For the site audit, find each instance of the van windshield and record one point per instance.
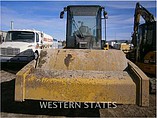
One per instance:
(20, 36)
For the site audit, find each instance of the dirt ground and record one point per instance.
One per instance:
(10, 108)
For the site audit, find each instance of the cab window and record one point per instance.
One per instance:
(37, 37)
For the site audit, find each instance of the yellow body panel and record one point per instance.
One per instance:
(83, 76)
(84, 88)
(79, 59)
(125, 47)
(147, 68)
(149, 65)
(106, 47)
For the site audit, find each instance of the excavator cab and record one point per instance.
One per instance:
(83, 26)
(146, 40)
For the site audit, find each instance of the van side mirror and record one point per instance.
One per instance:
(105, 14)
(42, 35)
(62, 14)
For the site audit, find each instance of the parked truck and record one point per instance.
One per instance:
(24, 45)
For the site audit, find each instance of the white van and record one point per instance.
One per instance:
(24, 45)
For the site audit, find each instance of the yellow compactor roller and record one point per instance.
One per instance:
(83, 72)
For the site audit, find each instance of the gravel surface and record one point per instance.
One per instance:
(10, 108)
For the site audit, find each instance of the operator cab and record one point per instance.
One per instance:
(83, 26)
(146, 39)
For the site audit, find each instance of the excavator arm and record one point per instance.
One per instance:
(146, 15)
(144, 40)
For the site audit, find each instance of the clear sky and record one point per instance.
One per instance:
(44, 16)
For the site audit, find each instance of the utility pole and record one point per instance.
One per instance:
(105, 17)
(12, 25)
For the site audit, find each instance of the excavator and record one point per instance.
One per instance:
(144, 41)
(83, 71)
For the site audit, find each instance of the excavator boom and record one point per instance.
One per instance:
(146, 15)
(144, 40)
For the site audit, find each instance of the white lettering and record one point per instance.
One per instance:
(50, 105)
(109, 106)
(71, 105)
(86, 105)
(104, 105)
(114, 104)
(65, 104)
(55, 104)
(77, 105)
(43, 104)
(97, 105)
(60, 104)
